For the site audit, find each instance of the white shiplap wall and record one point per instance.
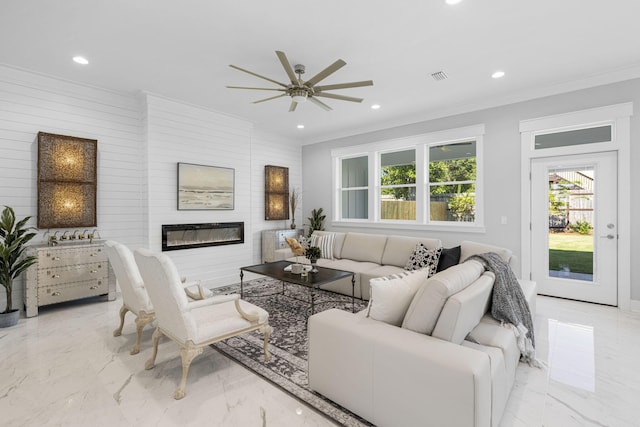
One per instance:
(140, 140)
(30, 103)
(177, 132)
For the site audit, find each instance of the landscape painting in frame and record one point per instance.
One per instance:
(203, 187)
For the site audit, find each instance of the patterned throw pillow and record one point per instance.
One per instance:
(325, 243)
(423, 258)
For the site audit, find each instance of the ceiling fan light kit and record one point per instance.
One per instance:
(300, 90)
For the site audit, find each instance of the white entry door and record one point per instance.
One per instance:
(574, 233)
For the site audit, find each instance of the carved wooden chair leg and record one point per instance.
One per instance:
(142, 320)
(266, 330)
(118, 331)
(152, 360)
(188, 353)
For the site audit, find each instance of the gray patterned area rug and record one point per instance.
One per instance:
(288, 344)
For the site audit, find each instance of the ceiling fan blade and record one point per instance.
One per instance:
(319, 103)
(326, 72)
(340, 97)
(293, 106)
(257, 75)
(255, 88)
(269, 99)
(287, 67)
(344, 85)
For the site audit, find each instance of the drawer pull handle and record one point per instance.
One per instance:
(56, 258)
(55, 294)
(93, 255)
(94, 271)
(93, 287)
(56, 276)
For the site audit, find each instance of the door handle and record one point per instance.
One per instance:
(608, 236)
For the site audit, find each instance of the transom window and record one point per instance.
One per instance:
(431, 179)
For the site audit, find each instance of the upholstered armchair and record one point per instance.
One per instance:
(194, 324)
(134, 295)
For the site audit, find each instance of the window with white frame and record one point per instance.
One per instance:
(452, 182)
(398, 185)
(354, 189)
(426, 180)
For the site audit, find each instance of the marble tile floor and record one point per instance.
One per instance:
(64, 368)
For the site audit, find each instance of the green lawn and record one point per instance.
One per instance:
(571, 250)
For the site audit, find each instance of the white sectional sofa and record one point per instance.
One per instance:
(448, 364)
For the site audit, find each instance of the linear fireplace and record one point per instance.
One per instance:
(189, 236)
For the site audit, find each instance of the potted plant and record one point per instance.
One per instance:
(316, 221)
(13, 240)
(313, 253)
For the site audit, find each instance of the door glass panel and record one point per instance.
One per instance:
(571, 242)
(573, 137)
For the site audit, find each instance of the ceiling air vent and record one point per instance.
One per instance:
(439, 75)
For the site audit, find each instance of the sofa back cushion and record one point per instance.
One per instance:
(391, 295)
(427, 304)
(399, 248)
(364, 247)
(468, 248)
(462, 311)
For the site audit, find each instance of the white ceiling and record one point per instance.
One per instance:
(182, 49)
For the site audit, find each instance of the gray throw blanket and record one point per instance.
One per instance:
(509, 304)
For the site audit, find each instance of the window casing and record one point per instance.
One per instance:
(426, 181)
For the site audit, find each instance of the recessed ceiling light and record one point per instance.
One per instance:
(452, 1)
(497, 74)
(80, 60)
(300, 126)
(375, 107)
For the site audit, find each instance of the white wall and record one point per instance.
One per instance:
(177, 132)
(30, 103)
(502, 167)
(141, 137)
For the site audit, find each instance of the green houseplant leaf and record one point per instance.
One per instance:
(14, 237)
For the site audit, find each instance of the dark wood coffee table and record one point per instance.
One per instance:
(313, 281)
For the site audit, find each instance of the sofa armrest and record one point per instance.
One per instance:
(395, 377)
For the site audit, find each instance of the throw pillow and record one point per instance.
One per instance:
(391, 295)
(325, 243)
(424, 258)
(296, 248)
(448, 258)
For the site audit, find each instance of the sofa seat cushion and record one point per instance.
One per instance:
(364, 247)
(463, 310)
(344, 286)
(426, 306)
(391, 295)
(489, 332)
(399, 248)
(500, 387)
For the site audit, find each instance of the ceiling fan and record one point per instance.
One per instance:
(300, 90)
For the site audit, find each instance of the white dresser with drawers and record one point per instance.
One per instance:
(273, 243)
(68, 271)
